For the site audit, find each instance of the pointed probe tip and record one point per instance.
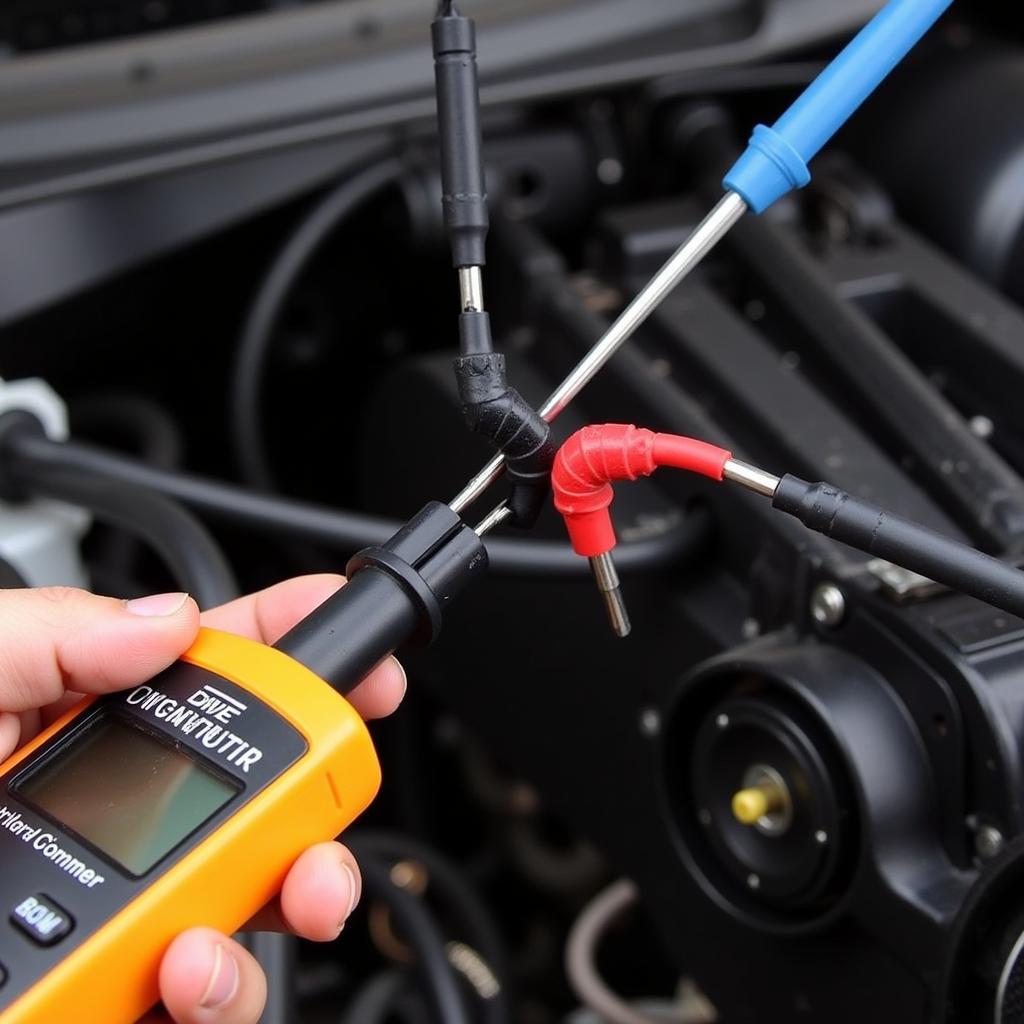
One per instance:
(618, 616)
(621, 626)
(611, 593)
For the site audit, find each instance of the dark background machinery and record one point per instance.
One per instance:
(869, 332)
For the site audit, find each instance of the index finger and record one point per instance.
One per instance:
(267, 615)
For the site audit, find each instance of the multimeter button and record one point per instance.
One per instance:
(3, 975)
(42, 920)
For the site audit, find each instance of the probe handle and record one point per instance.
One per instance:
(458, 112)
(776, 160)
(396, 593)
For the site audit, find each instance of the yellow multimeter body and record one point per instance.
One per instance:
(237, 745)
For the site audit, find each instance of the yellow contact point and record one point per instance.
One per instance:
(750, 805)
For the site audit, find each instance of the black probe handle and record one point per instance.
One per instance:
(842, 517)
(397, 593)
(356, 629)
(458, 112)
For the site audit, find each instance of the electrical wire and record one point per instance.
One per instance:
(581, 956)
(379, 999)
(265, 314)
(664, 551)
(182, 542)
(468, 909)
(148, 430)
(558, 870)
(146, 424)
(422, 934)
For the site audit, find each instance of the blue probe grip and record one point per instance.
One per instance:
(776, 160)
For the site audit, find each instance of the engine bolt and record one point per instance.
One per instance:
(828, 605)
(988, 842)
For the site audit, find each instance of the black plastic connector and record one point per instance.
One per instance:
(397, 594)
(475, 337)
(498, 412)
(458, 116)
(849, 520)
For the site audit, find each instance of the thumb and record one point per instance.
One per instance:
(56, 638)
(206, 978)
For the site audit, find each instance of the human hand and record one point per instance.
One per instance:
(57, 644)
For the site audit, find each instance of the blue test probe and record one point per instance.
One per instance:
(777, 159)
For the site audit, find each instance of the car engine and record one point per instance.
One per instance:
(225, 277)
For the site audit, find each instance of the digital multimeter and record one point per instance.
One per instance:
(183, 801)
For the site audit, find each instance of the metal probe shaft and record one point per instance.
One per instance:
(753, 479)
(471, 289)
(707, 235)
(607, 579)
(493, 519)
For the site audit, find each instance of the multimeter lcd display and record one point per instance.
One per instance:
(129, 795)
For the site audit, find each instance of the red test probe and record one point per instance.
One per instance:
(595, 457)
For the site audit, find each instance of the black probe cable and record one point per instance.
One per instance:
(29, 453)
(271, 296)
(422, 934)
(182, 541)
(868, 528)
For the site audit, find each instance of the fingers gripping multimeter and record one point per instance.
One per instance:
(185, 800)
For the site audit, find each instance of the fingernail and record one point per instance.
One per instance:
(405, 678)
(224, 978)
(156, 605)
(353, 892)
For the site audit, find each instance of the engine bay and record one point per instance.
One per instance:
(224, 250)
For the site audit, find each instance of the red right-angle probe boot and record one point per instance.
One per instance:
(581, 479)
(595, 457)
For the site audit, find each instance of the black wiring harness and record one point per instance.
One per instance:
(183, 543)
(475, 958)
(31, 455)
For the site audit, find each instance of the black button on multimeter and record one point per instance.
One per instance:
(41, 919)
